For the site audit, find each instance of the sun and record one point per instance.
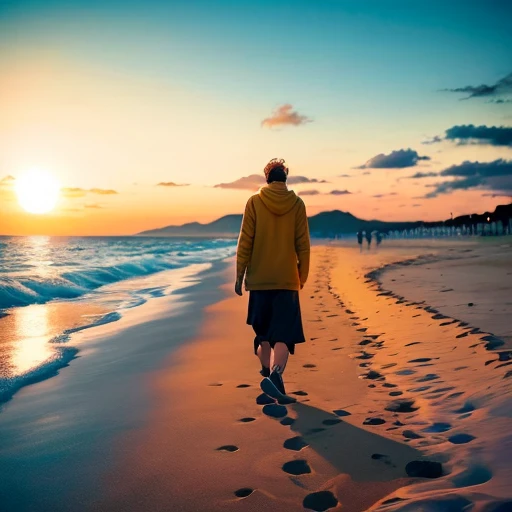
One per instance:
(37, 191)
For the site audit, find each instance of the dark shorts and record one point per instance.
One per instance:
(275, 316)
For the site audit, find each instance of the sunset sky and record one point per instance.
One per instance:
(149, 113)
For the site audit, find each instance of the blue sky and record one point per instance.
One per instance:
(368, 75)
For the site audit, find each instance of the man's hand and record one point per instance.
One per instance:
(238, 287)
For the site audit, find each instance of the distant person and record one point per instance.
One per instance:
(369, 238)
(360, 240)
(273, 254)
(378, 238)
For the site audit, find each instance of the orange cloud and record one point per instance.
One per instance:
(73, 192)
(255, 181)
(171, 184)
(284, 115)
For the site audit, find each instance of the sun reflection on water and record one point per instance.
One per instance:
(31, 326)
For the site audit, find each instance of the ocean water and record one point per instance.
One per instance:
(51, 287)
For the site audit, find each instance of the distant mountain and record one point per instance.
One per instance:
(229, 225)
(328, 224)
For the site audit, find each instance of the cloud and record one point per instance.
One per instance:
(495, 176)
(503, 86)
(419, 175)
(433, 140)
(493, 135)
(488, 194)
(416, 205)
(93, 206)
(73, 192)
(297, 180)
(284, 115)
(344, 176)
(255, 181)
(339, 192)
(102, 191)
(395, 160)
(471, 134)
(171, 184)
(315, 192)
(378, 196)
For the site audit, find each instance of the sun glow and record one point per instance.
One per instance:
(37, 191)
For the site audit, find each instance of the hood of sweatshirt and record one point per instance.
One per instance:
(277, 198)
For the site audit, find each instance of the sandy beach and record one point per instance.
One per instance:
(384, 379)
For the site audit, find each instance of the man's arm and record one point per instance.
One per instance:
(302, 245)
(245, 241)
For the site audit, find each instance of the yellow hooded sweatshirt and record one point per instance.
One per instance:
(273, 246)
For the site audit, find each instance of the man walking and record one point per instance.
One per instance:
(273, 255)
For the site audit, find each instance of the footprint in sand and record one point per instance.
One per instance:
(336, 348)
(275, 411)
(401, 406)
(437, 428)
(419, 390)
(299, 393)
(363, 329)
(320, 501)
(383, 458)
(420, 360)
(227, 448)
(295, 443)
(428, 377)
(309, 365)
(373, 375)
(243, 386)
(461, 438)
(331, 421)
(341, 413)
(425, 469)
(243, 492)
(315, 430)
(395, 393)
(405, 372)
(216, 384)
(287, 421)
(476, 475)
(365, 342)
(246, 420)
(410, 434)
(413, 343)
(297, 467)
(374, 421)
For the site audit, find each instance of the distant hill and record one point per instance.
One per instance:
(327, 224)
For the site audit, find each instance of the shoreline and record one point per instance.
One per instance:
(72, 421)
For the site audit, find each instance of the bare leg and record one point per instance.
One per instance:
(280, 355)
(264, 352)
